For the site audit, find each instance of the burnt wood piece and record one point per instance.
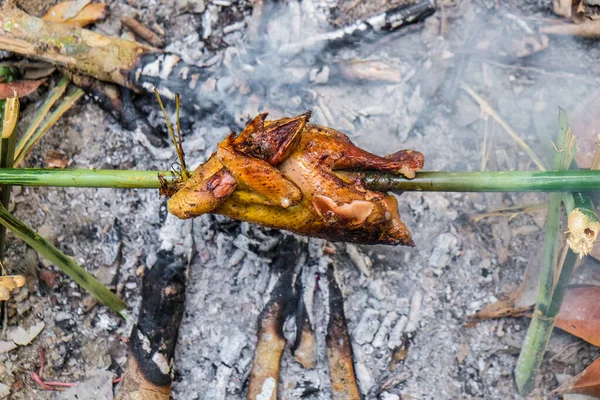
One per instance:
(264, 377)
(117, 101)
(304, 349)
(387, 21)
(170, 75)
(153, 338)
(339, 349)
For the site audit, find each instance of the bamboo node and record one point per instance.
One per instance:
(583, 232)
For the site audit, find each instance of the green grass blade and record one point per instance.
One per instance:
(68, 102)
(52, 97)
(554, 274)
(62, 261)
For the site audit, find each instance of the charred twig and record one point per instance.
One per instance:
(589, 29)
(117, 102)
(153, 339)
(264, 376)
(143, 31)
(339, 350)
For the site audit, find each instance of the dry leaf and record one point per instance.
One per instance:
(531, 44)
(23, 88)
(49, 277)
(6, 346)
(521, 299)
(580, 315)
(9, 283)
(88, 15)
(586, 382)
(23, 337)
(461, 354)
(563, 8)
(585, 125)
(56, 159)
(75, 9)
(38, 73)
(596, 252)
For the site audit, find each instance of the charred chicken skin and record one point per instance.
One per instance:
(291, 175)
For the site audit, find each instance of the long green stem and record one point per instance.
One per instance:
(515, 181)
(542, 323)
(555, 273)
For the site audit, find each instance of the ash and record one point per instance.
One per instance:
(387, 92)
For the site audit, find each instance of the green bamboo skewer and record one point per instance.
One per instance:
(495, 181)
(514, 181)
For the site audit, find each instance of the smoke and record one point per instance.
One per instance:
(391, 89)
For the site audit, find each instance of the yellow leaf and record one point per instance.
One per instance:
(9, 283)
(88, 15)
(11, 116)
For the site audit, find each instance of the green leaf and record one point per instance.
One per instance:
(62, 261)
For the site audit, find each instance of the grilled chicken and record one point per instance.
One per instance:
(291, 175)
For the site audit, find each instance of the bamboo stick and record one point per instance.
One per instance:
(425, 181)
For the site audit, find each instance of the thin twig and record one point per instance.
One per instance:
(487, 108)
(143, 31)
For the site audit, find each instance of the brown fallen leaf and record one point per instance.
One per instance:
(88, 14)
(49, 277)
(23, 88)
(580, 315)
(586, 382)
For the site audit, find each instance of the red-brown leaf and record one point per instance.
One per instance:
(587, 382)
(23, 88)
(580, 313)
(49, 277)
(585, 126)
